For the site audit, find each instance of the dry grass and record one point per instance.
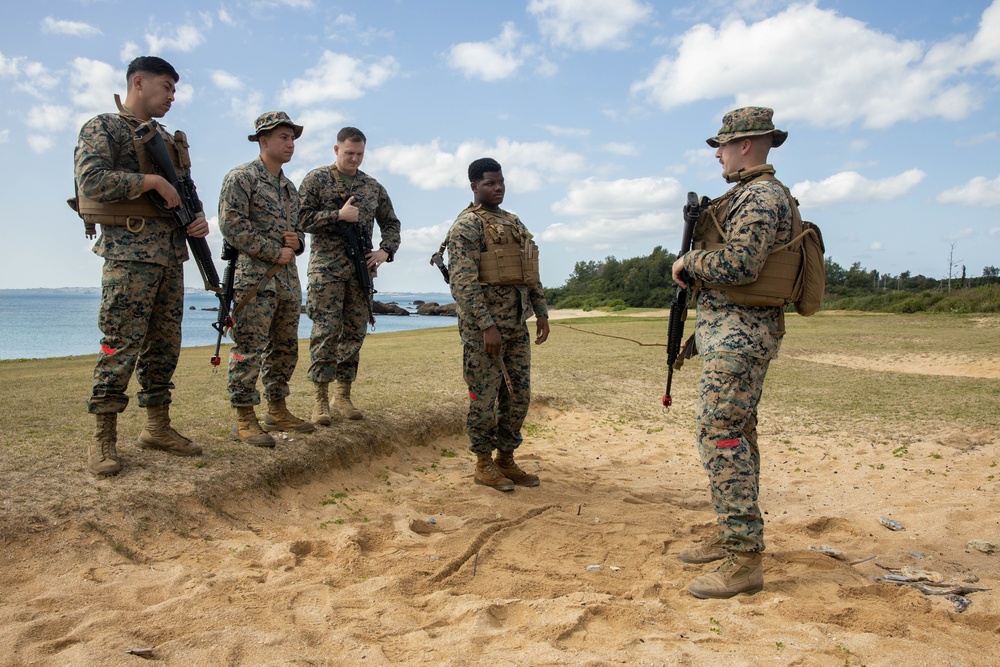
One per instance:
(411, 389)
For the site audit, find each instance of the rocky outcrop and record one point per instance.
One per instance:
(433, 308)
(380, 308)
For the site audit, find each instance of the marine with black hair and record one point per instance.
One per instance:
(493, 268)
(142, 300)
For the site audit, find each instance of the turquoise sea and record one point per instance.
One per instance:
(40, 323)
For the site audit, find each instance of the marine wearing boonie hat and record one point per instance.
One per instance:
(271, 119)
(747, 122)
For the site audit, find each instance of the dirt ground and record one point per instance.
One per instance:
(401, 559)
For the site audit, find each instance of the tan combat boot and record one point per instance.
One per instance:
(741, 573)
(505, 466)
(278, 418)
(248, 429)
(102, 459)
(321, 410)
(158, 434)
(488, 475)
(342, 401)
(704, 553)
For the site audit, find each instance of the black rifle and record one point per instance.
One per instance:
(437, 259)
(678, 309)
(358, 244)
(190, 206)
(225, 321)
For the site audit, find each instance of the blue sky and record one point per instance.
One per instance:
(598, 112)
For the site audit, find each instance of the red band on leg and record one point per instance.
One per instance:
(727, 444)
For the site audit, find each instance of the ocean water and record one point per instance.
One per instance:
(40, 323)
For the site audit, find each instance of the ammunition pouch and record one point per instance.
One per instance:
(511, 255)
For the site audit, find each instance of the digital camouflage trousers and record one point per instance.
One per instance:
(728, 393)
(267, 345)
(496, 413)
(339, 314)
(142, 305)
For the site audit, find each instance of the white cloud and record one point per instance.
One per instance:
(994, 231)
(4, 135)
(546, 68)
(850, 186)
(612, 210)
(130, 51)
(489, 61)
(40, 143)
(338, 77)
(30, 77)
(842, 70)
(589, 24)
(226, 17)
(184, 94)
(245, 108)
(980, 191)
(960, 234)
(876, 245)
(599, 231)
(621, 148)
(71, 28)
(92, 86)
(226, 81)
(319, 134)
(527, 166)
(185, 38)
(9, 66)
(49, 118)
(978, 139)
(559, 131)
(425, 239)
(619, 198)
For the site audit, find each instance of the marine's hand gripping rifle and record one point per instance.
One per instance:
(186, 213)
(678, 309)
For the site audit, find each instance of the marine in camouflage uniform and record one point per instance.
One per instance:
(492, 325)
(142, 301)
(259, 216)
(332, 197)
(736, 343)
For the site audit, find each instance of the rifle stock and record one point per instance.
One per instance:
(678, 308)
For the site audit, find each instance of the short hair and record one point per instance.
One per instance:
(351, 134)
(480, 167)
(153, 65)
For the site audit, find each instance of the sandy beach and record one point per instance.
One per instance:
(393, 556)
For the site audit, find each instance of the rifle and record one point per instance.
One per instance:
(189, 208)
(358, 244)
(225, 321)
(437, 259)
(678, 308)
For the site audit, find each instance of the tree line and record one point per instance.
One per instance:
(645, 282)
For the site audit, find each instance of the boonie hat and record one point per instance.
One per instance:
(747, 122)
(272, 119)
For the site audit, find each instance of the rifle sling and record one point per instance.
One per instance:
(253, 291)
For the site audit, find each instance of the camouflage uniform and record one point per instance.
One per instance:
(142, 283)
(255, 207)
(495, 413)
(335, 302)
(737, 343)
